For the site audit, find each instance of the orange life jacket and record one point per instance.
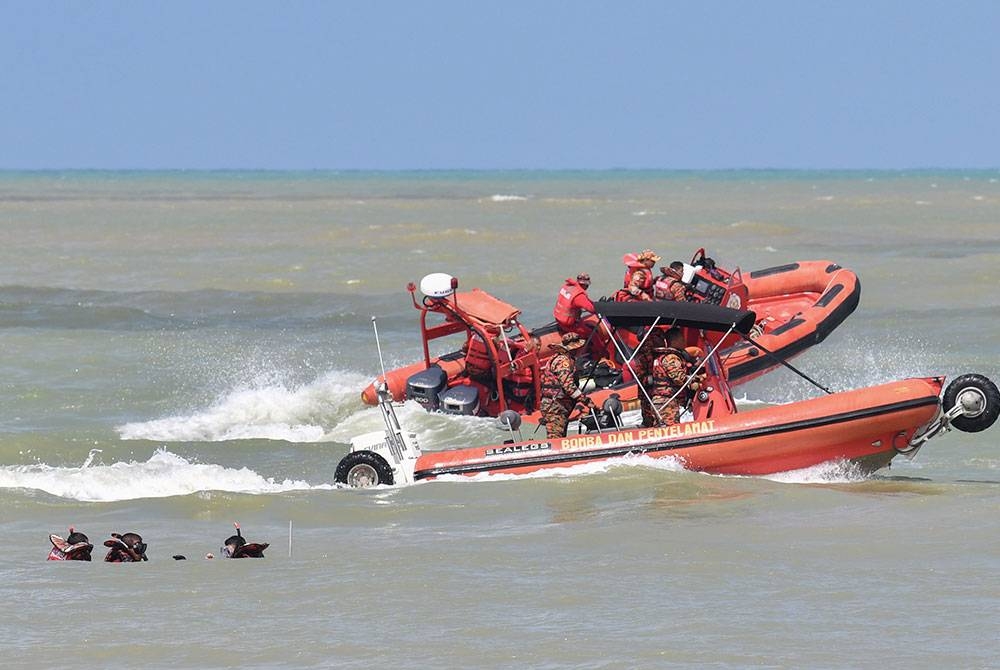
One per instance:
(477, 358)
(647, 281)
(564, 312)
(662, 287)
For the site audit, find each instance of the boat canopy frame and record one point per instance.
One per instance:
(697, 315)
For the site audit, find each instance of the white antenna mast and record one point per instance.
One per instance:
(378, 345)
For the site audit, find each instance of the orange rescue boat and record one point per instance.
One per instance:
(867, 426)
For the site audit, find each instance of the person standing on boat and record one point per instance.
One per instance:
(669, 375)
(572, 302)
(670, 285)
(642, 368)
(559, 390)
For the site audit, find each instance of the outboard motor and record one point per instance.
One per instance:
(461, 399)
(424, 386)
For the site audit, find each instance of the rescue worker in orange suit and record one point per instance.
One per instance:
(639, 277)
(570, 305)
(642, 367)
(559, 390)
(572, 302)
(670, 285)
(670, 385)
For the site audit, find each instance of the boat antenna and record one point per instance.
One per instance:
(378, 345)
(788, 365)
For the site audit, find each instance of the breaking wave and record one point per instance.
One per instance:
(163, 475)
(584, 469)
(507, 198)
(270, 411)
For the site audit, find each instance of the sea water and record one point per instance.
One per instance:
(182, 350)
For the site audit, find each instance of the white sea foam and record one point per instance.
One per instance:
(270, 412)
(831, 472)
(668, 464)
(163, 475)
(499, 197)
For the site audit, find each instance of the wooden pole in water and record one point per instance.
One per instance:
(289, 538)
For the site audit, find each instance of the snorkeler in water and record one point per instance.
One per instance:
(236, 546)
(127, 548)
(76, 547)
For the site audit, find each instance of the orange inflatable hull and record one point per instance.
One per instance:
(797, 306)
(867, 426)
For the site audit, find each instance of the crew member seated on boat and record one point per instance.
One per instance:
(638, 284)
(127, 548)
(669, 385)
(669, 285)
(559, 390)
(76, 547)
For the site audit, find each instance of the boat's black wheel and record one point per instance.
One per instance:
(980, 401)
(362, 470)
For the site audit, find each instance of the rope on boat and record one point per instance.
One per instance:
(788, 365)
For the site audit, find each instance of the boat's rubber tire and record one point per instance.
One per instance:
(983, 400)
(362, 470)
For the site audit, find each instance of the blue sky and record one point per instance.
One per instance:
(511, 84)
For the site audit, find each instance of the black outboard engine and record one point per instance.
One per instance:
(424, 386)
(461, 399)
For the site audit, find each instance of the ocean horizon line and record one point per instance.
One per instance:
(492, 171)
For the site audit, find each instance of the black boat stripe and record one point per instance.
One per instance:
(828, 297)
(569, 457)
(776, 270)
